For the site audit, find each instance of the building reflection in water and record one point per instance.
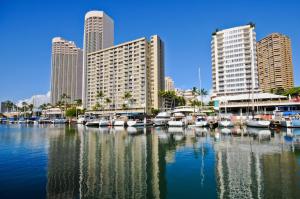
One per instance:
(115, 163)
(251, 167)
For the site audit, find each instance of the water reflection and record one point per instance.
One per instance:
(165, 162)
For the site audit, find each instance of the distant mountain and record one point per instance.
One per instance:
(36, 100)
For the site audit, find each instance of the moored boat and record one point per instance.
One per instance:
(162, 119)
(258, 122)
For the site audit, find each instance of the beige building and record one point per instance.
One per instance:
(66, 70)
(169, 84)
(98, 34)
(275, 68)
(136, 67)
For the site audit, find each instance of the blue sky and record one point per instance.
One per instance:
(27, 28)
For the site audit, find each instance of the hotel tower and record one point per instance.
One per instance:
(66, 70)
(234, 64)
(135, 67)
(275, 67)
(98, 34)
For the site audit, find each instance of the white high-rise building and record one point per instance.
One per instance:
(169, 84)
(66, 70)
(136, 67)
(234, 63)
(98, 35)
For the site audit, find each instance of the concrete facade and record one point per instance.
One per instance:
(136, 67)
(275, 67)
(66, 70)
(98, 35)
(234, 64)
(169, 84)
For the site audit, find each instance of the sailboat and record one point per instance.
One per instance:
(257, 121)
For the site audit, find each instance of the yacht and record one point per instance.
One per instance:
(92, 121)
(82, 119)
(58, 121)
(225, 122)
(121, 121)
(104, 121)
(178, 119)
(258, 122)
(162, 119)
(201, 121)
(290, 122)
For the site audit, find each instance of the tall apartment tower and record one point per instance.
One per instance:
(275, 67)
(136, 67)
(169, 84)
(98, 35)
(234, 64)
(66, 70)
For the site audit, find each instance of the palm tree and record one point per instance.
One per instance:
(64, 97)
(30, 107)
(195, 92)
(43, 106)
(78, 102)
(127, 97)
(9, 105)
(204, 93)
(108, 101)
(100, 96)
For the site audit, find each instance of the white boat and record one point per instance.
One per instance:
(59, 121)
(121, 121)
(224, 122)
(139, 122)
(81, 119)
(178, 119)
(92, 122)
(225, 131)
(162, 119)
(258, 122)
(104, 122)
(201, 122)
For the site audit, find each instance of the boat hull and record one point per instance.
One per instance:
(258, 124)
(176, 123)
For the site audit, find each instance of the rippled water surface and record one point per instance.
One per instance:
(79, 162)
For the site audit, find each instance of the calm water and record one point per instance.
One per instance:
(78, 162)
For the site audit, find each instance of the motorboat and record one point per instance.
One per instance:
(82, 119)
(290, 122)
(139, 122)
(259, 133)
(201, 122)
(58, 121)
(104, 121)
(92, 122)
(178, 119)
(162, 119)
(121, 121)
(258, 122)
(226, 131)
(225, 122)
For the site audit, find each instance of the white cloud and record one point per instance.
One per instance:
(36, 100)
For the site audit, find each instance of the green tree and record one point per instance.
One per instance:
(71, 112)
(8, 105)
(128, 100)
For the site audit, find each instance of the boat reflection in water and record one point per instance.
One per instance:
(169, 163)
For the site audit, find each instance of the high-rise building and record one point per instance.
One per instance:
(169, 84)
(234, 64)
(136, 67)
(275, 68)
(98, 34)
(66, 74)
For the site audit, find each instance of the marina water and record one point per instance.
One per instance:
(48, 161)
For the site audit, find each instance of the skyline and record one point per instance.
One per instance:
(182, 48)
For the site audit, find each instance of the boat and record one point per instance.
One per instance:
(258, 122)
(58, 121)
(82, 119)
(178, 119)
(290, 122)
(259, 133)
(104, 121)
(121, 121)
(225, 122)
(201, 121)
(44, 120)
(226, 131)
(162, 119)
(92, 122)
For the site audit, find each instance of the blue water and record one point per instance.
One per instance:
(77, 162)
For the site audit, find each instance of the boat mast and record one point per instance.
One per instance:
(199, 74)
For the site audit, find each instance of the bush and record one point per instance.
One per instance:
(71, 112)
